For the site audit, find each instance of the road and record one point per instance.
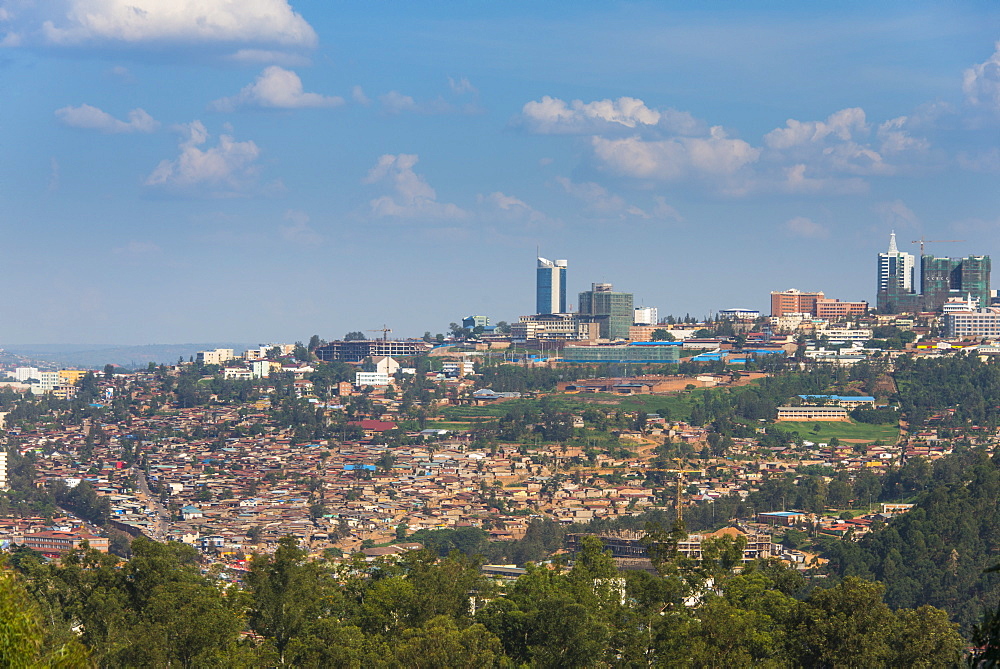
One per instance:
(161, 524)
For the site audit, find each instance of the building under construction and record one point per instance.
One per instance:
(356, 351)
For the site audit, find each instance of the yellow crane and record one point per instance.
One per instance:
(923, 241)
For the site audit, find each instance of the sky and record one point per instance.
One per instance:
(265, 170)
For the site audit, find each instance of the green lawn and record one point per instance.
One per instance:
(830, 429)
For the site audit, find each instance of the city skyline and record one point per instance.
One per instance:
(275, 169)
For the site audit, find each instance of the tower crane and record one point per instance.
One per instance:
(384, 330)
(923, 241)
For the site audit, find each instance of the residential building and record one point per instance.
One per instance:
(550, 286)
(237, 374)
(23, 374)
(385, 365)
(835, 309)
(794, 301)
(371, 379)
(612, 310)
(980, 323)
(261, 369)
(215, 357)
(646, 316)
(3, 469)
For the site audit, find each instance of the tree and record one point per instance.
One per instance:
(662, 335)
(285, 590)
(356, 335)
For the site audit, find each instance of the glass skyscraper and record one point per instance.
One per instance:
(613, 311)
(550, 287)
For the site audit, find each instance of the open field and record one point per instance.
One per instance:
(850, 432)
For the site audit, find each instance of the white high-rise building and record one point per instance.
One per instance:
(895, 265)
(646, 316)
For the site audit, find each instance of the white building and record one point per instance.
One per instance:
(216, 357)
(981, 323)
(740, 314)
(646, 316)
(3, 469)
(261, 369)
(237, 374)
(23, 374)
(385, 364)
(371, 379)
(896, 265)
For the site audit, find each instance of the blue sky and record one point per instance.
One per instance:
(198, 170)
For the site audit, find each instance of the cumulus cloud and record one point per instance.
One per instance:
(842, 144)
(462, 86)
(981, 82)
(91, 118)
(410, 196)
(276, 88)
(800, 226)
(395, 102)
(554, 116)
(160, 22)
(797, 181)
(224, 169)
(675, 158)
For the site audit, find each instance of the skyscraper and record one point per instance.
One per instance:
(940, 280)
(550, 287)
(897, 267)
(613, 311)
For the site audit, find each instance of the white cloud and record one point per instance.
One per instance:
(395, 102)
(297, 229)
(229, 165)
(595, 196)
(797, 181)
(358, 94)
(844, 125)
(508, 209)
(91, 118)
(800, 226)
(981, 82)
(840, 144)
(554, 116)
(276, 88)
(462, 86)
(139, 22)
(675, 158)
(410, 195)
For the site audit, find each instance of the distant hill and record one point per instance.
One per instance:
(95, 356)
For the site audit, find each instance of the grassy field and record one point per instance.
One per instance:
(842, 431)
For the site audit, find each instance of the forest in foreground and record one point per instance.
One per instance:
(159, 609)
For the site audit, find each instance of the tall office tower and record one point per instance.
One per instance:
(897, 287)
(897, 267)
(944, 278)
(550, 287)
(612, 311)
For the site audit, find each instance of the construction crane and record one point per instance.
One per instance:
(923, 241)
(384, 330)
